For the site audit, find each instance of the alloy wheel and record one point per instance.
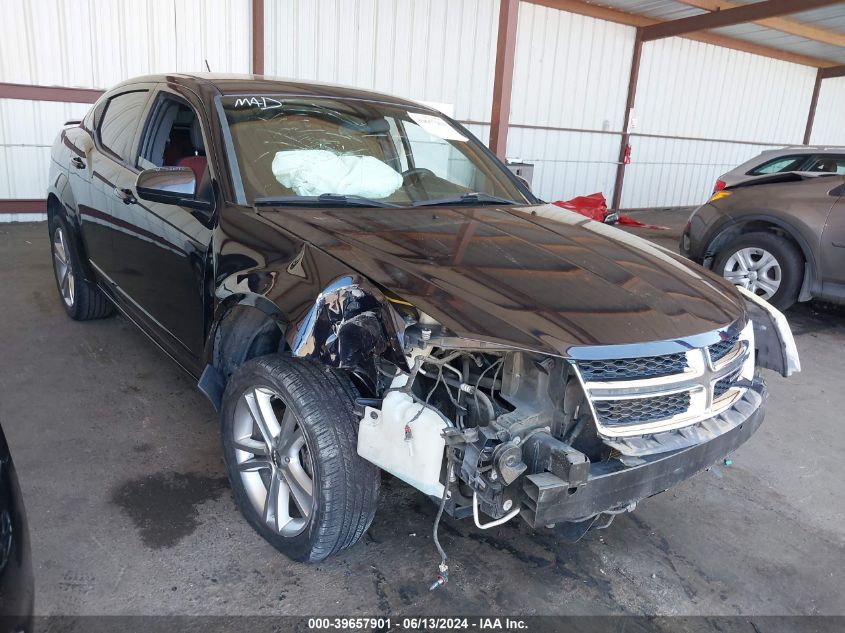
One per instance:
(63, 266)
(274, 461)
(755, 269)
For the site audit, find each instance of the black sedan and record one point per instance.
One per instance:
(358, 283)
(16, 585)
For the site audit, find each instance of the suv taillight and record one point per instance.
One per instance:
(720, 184)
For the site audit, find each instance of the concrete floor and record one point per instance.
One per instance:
(130, 511)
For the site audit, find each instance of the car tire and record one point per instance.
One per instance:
(288, 426)
(777, 267)
(82, 300)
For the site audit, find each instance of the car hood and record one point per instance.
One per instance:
(537, 277)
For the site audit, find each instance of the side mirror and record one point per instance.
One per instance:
(524, 182)
(170, 185)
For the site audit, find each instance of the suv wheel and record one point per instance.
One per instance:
(764, 263)
(81, 299)
(290, 445)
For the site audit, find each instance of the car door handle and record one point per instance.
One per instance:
(126, 195)
(78, 162)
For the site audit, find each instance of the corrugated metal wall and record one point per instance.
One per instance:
(829, 126)
(432, 50)
(27, 130)
(444, 51)
(570, 73)
(96, 44)
(669, 172)
(690, 90)
(570, 81)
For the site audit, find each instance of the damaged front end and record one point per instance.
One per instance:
(571, 441)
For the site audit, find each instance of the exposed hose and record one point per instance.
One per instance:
(487, 526)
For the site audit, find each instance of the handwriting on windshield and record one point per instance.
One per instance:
(263, 103)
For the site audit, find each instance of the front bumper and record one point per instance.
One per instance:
(612, 486)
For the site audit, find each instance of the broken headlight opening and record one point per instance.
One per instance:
(575, 441)
(468, 405)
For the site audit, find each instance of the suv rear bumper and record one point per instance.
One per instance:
(612, 486)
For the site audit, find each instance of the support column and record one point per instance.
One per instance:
(503, 76)
(258, 37)
(629, 106)
(814, 102)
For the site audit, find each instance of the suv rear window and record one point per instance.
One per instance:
(120, 121)
(827, 164)
(779, 165)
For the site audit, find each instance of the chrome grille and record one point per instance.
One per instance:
(637, 410)
(651, 394)
(626, 368)
(719, 350)
(723, 386)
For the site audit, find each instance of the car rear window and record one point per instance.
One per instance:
(827, 164)
(779, 165)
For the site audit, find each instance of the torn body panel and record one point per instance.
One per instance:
(348, 327)
(775, 345)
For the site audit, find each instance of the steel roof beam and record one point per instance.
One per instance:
(793, 27)
(621, 17)
(832, 71)
(728, 17)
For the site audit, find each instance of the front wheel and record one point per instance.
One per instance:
(764, 263)
(290, 445)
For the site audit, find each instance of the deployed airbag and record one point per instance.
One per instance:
(312, 172)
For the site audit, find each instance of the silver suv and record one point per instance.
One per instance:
(803, 158)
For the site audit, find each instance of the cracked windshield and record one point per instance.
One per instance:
(294, 150)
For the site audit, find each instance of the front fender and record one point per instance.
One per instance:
(731, 225)
(350, 326)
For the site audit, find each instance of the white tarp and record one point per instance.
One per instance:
(311, 172)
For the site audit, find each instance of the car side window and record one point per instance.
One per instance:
(120, 121)
(173, 137)
(778, 165)
(827, 164)
(93, 116)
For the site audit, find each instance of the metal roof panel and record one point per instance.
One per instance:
(830, 18)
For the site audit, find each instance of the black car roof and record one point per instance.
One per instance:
(246, 84)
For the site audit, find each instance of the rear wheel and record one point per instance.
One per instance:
(764, 263)
(81, 299)
(290, 445)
